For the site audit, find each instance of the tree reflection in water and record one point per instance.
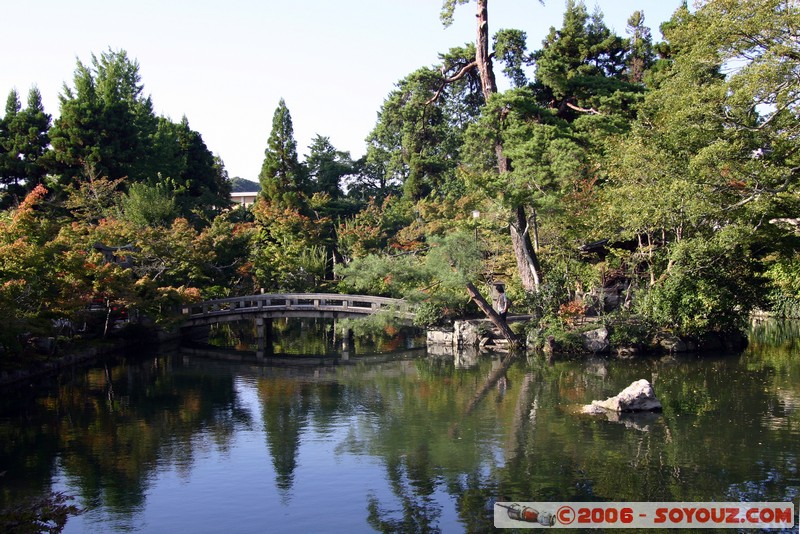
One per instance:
(285, 406)
(413, 483)
(439, 443)
(110, 428)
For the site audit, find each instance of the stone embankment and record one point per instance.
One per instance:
(479, 333)
(598, 341)
(469, 333)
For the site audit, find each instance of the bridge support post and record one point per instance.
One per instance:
(348, 347)
(264, 334)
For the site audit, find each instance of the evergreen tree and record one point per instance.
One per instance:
(196, 177)
(9, 164)
(106, 124)
(327, 166)
(581, 65)
(417, 139)
(711, 161)
(24, 144)
(369, 178)
(525, 254)
(407, 132)
(640, 55)
(282, 177)
(203, 176)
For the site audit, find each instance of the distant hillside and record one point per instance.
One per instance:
(240, 185)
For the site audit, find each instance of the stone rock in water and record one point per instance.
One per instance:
(638, 397)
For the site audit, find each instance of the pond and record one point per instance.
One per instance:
(402, 441)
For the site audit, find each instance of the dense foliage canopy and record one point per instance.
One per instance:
(662, 174)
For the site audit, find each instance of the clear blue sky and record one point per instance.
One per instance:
(226, 64)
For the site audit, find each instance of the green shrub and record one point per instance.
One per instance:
(428, 314)
(566, 340)
(626, 331)
(548, 300)
(711, 285)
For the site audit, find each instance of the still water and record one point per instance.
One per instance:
(406, 441)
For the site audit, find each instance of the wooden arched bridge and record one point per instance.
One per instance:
(275, 305)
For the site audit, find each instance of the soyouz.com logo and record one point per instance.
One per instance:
(644, 515)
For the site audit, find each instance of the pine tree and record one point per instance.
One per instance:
(580, 64)
(327, 166)
(24, 141)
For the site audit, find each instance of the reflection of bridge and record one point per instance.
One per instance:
(265, 307)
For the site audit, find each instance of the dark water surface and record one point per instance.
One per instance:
(407, 442)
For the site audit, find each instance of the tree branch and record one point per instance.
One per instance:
(454, 78)
(492, 315)
(583, 110)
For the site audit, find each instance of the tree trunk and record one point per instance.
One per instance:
(527, 260)
(487, 309)
(108, 320)
(480, 394)
(482, 55)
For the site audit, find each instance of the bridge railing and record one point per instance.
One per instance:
(360, 304)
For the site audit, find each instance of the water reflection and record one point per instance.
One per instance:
(402, 443)
(313, 336)
(107, 429)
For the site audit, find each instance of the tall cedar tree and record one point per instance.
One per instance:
(282, 177)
